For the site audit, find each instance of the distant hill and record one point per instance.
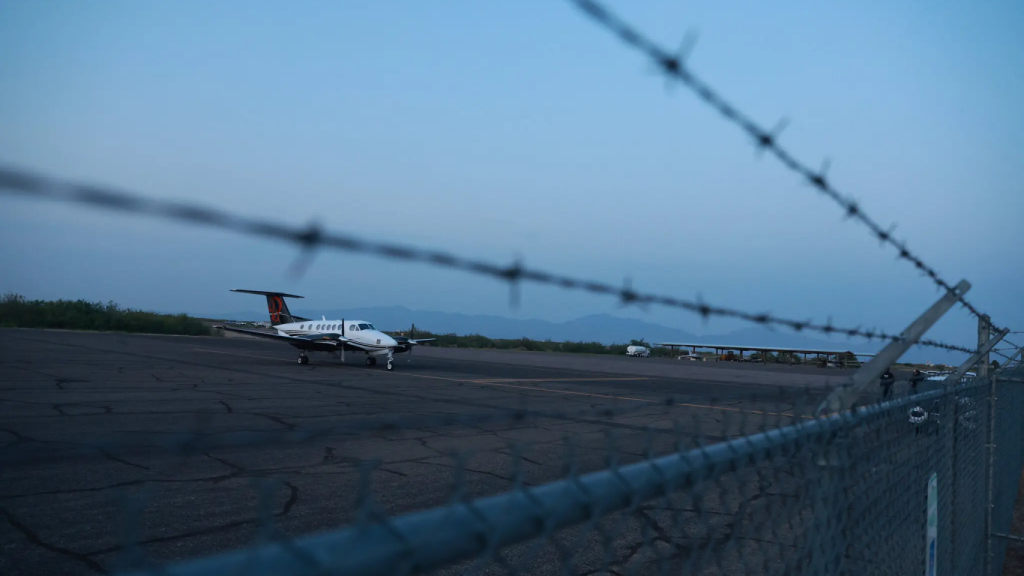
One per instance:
(603, 328)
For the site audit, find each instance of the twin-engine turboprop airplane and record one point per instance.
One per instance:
(331, 336)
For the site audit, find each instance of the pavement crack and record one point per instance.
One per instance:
(423, 442)
(17, 435)
(277, 420)
(110, 456)
(227, 406)
(467, 469)
(235, 467)
(521, 457)
(34, 538)
(293, 497)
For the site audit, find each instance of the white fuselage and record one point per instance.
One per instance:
(360, 332)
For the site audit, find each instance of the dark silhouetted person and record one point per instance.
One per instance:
(916, 379)
(886, 383)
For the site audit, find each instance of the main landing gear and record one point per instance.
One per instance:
(370, 360)
(303, 359)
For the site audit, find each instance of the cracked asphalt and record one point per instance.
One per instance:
(62, 513)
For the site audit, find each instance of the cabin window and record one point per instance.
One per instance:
(353, 328)
(302, 326)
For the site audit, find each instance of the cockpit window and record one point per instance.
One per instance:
(365, 327)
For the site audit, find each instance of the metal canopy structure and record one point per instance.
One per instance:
(724, 348)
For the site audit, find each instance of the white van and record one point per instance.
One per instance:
(637, 351)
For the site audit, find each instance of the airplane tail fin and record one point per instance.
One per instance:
(278, 308)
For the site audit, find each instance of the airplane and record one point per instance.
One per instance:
(330, 336)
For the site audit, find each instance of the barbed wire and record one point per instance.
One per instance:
(313, 236)
(674, 66)
(1000, 353)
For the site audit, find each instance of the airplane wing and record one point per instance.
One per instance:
(334, 339)
(323, 342)
(259, 333)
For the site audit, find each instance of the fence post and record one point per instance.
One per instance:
(990, 468)
(984, 329)
(950, 382)
(990, 477)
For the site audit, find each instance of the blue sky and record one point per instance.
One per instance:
(497, 129)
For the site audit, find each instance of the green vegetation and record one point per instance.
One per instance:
(478, 341)
(17, 312)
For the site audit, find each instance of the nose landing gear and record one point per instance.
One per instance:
(372, 360)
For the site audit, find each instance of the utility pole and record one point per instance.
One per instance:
(984, 330)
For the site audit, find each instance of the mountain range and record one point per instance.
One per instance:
(603, 328)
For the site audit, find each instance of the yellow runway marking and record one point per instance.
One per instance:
(502, 382)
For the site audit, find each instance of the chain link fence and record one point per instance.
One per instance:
(757, 487)
(1007, 462)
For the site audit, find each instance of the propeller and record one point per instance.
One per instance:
(412, 336)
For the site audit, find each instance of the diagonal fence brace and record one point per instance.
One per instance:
(975, 358)
(1007, 363)
(842, 398)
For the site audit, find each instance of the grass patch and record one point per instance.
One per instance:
(18, 312)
